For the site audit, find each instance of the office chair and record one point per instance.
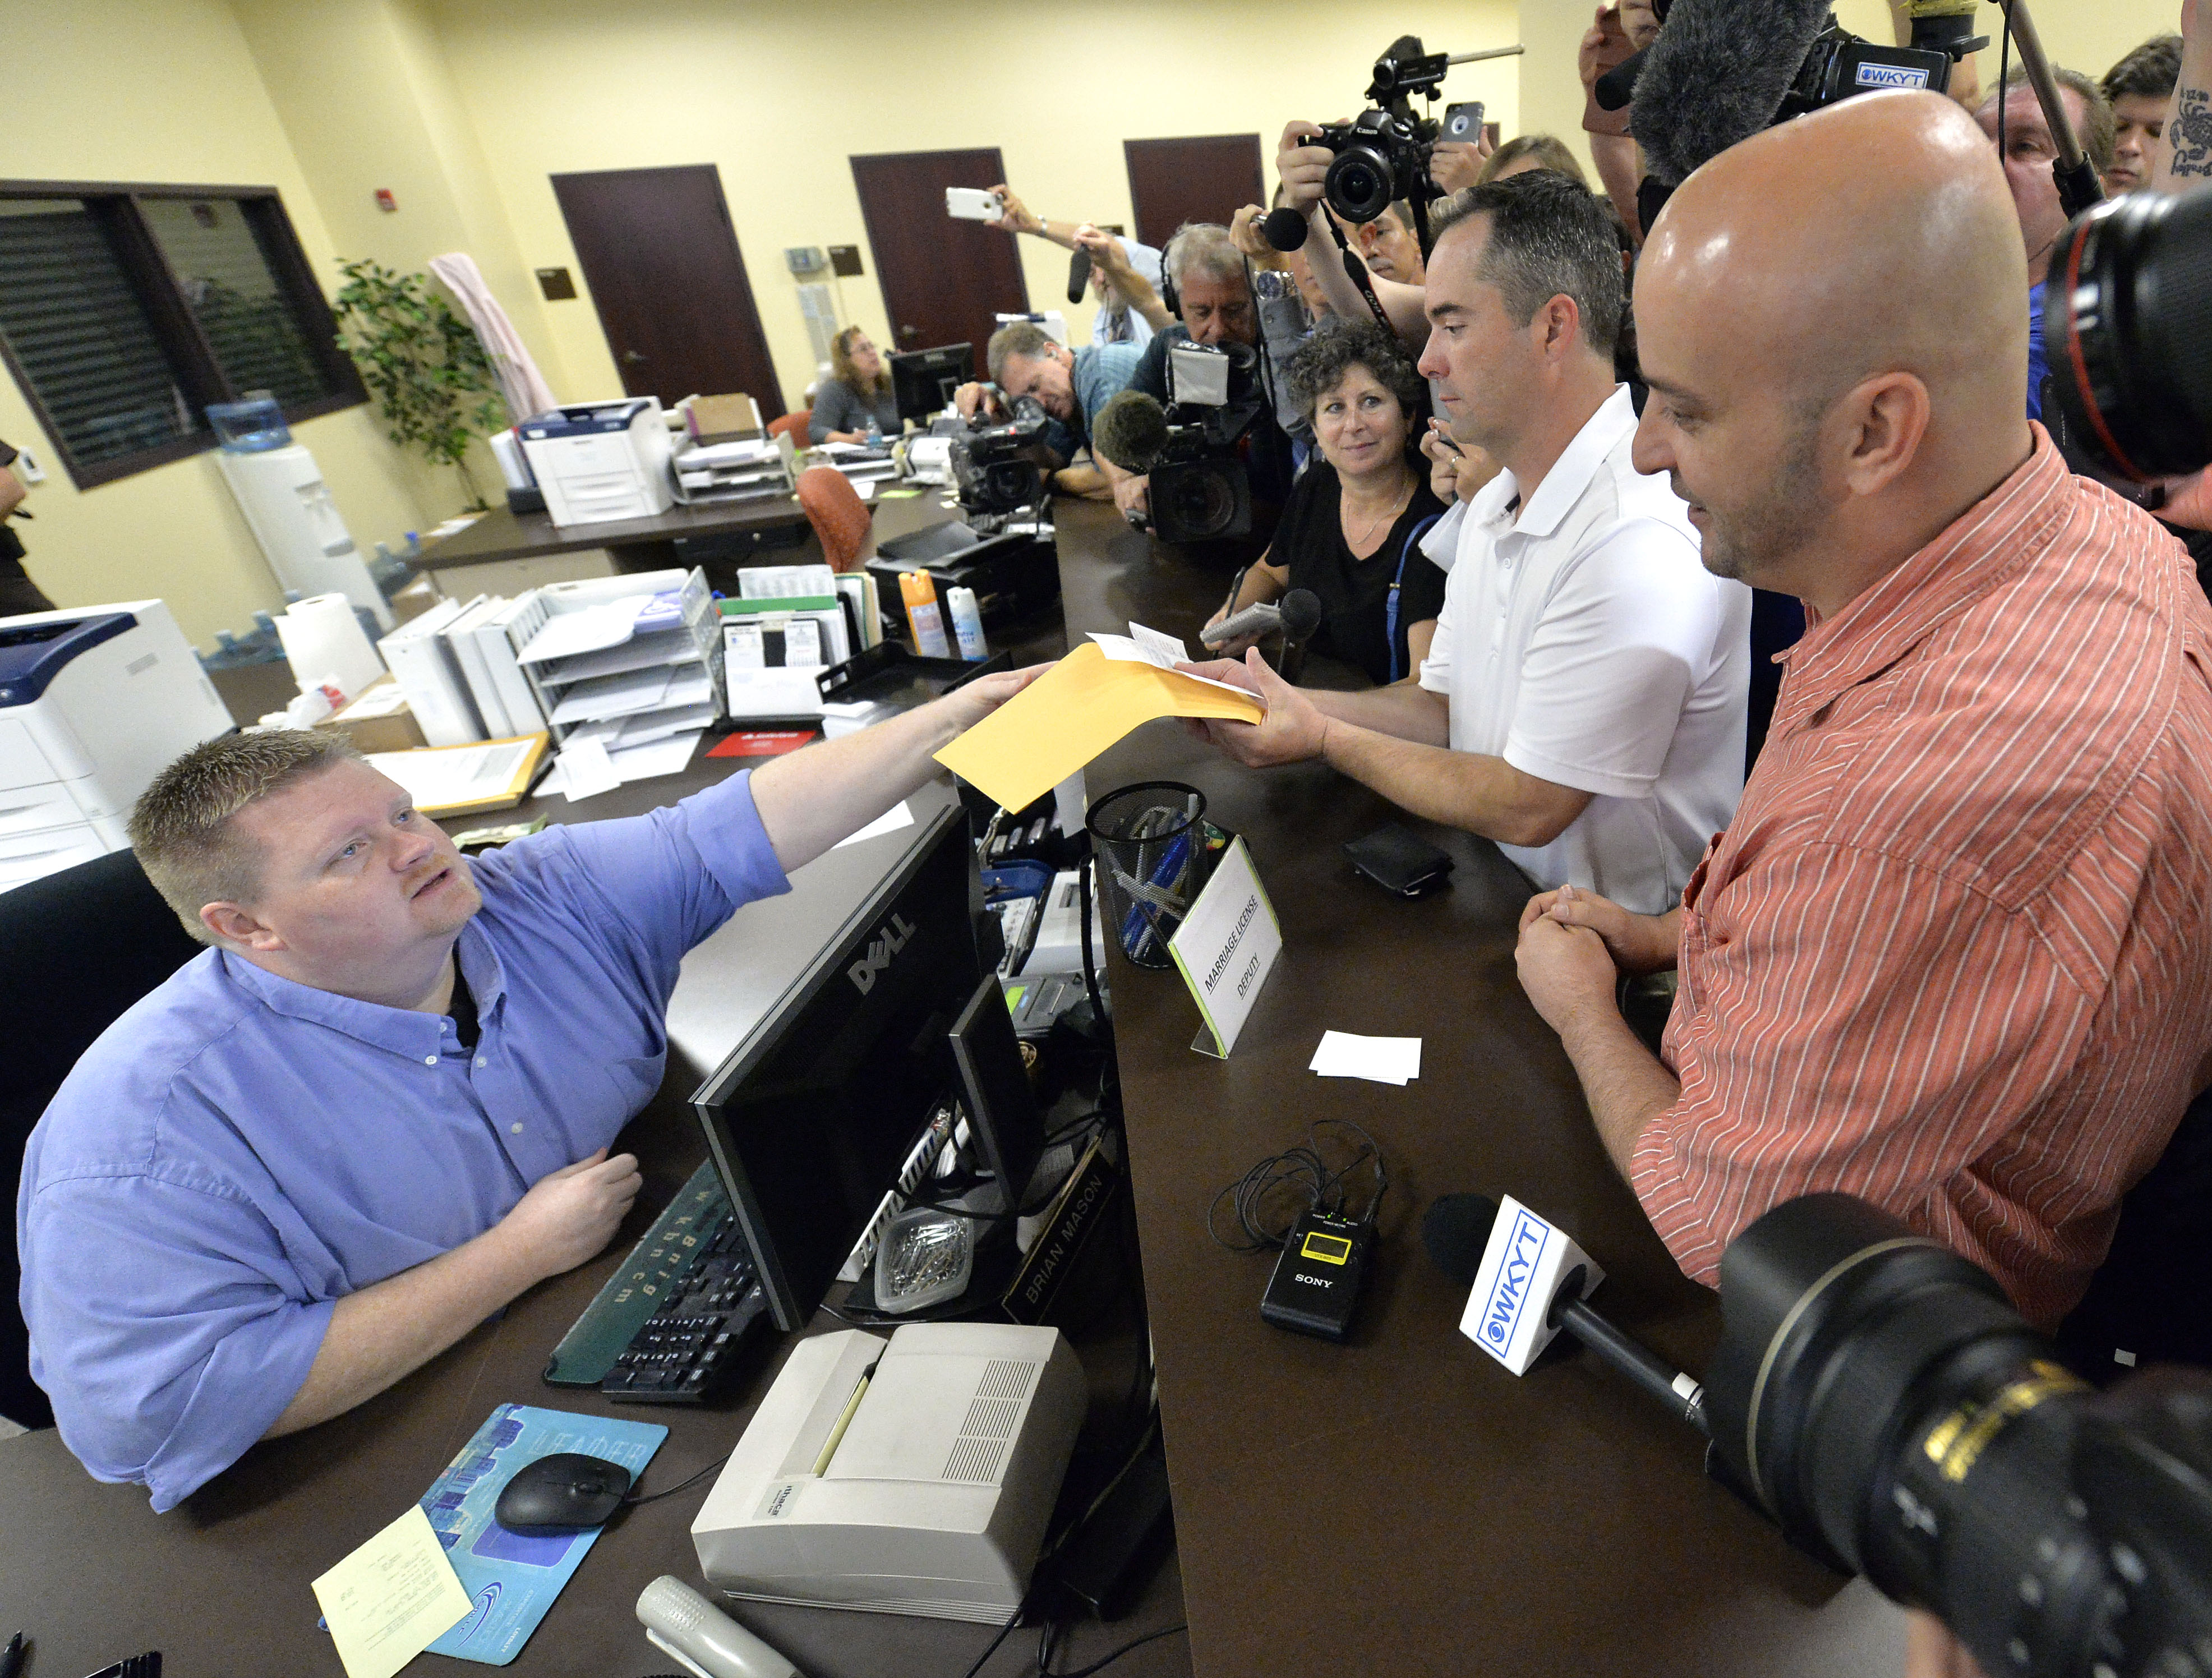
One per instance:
(838, 515)
(82, 944)
(794, 425)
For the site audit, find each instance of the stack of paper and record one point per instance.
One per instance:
(641, 652)
(748, 470)
(1384, 1059)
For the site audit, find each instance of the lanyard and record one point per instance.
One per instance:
(1390, 606)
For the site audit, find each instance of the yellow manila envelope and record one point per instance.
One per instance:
(1074, 712)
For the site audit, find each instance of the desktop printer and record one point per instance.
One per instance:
(94, 702)
(912, 1476)
(596, 461)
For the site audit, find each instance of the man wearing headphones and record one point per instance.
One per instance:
(1207, 285)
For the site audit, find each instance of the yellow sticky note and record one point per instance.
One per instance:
(392, 1598)
(1071, 714)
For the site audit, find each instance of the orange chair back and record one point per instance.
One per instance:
(795, 424)
(838, 515)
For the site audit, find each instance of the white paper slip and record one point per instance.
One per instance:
(586, 770)
(605, 696)
(1383, 1059)
(392, 1598)
(1161, 652)
(890, 821)
(866, 489)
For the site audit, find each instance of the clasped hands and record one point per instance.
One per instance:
(1575, 946)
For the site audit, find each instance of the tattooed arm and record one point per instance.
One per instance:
(2187, 159)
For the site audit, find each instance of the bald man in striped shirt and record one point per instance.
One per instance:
(1953, 953)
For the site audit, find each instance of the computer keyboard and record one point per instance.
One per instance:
(674, 1318)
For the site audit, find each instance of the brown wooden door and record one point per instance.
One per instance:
(1204, 180)
(661, 257)
(943, 279)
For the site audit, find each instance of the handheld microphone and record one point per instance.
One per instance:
(1078, 275)
(682, 1623)
(1131, 430)
(1285, 228)
(1614, 89)
(1717, 74)
(1301, 617)
(1529, 1280)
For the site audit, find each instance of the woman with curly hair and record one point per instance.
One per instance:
(1350, 530)
(857, 392)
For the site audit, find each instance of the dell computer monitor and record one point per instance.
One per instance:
(923, 381)
(812, 1116)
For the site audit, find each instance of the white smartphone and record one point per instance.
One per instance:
(972, 204)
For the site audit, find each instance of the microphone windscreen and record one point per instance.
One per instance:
(1079, 276)
(1131, 430)
(1717, 74)
(1300, 610)
(1457, 1232)
(1286, 229)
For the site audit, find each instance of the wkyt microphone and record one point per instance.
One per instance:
(1529, 1281)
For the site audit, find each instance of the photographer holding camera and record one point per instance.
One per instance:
(1124, 274)
(1350, 531)
(1953, 953)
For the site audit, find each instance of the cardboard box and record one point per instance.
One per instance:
(725, 419)
(380, 721)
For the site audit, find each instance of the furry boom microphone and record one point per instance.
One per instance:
(1717, 74)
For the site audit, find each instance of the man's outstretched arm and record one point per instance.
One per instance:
(810, 799)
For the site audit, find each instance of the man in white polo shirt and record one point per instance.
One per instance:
(1583, 703)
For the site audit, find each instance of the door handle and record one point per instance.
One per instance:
(631, 358)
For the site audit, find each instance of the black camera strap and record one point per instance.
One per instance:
(1355, 271)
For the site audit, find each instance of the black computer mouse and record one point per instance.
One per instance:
(561, 1494)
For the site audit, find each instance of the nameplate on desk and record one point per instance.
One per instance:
(1226, 947)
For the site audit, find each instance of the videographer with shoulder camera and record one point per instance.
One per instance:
(1209, 285)
(1583, 702)
(1352, 530)
(1070, 386)
(1953, 953)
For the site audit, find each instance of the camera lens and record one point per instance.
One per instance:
(1008, 484)
(1360, 184)
(1198, 501)
(2129, 327)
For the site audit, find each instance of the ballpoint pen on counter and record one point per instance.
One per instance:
(11, 1657)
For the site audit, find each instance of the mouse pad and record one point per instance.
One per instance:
(511, 1578)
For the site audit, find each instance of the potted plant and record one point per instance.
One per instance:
(423, 364)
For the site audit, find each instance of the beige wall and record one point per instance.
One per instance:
(463, 107)
(165, 91)
(778, 96)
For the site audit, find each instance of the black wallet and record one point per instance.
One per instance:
(1400, 860)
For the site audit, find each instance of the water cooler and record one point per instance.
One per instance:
(281, 493)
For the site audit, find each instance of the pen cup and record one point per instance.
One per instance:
(1150, 840)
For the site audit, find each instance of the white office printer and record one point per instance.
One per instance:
(93, 703)
(601, 460)
(925, 1491)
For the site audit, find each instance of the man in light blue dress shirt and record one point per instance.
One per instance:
(380, 1105)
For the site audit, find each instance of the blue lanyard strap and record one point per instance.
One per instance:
(1390, 606)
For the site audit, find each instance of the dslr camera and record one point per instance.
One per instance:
(999, 469)
(1382, 154)
(1200, 490)
(1877, 1396)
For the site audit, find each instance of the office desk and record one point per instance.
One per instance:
(1402, 1505)
(221, 1584)
(650, 545)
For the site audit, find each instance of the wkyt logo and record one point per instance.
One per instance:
(1508, 1312)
